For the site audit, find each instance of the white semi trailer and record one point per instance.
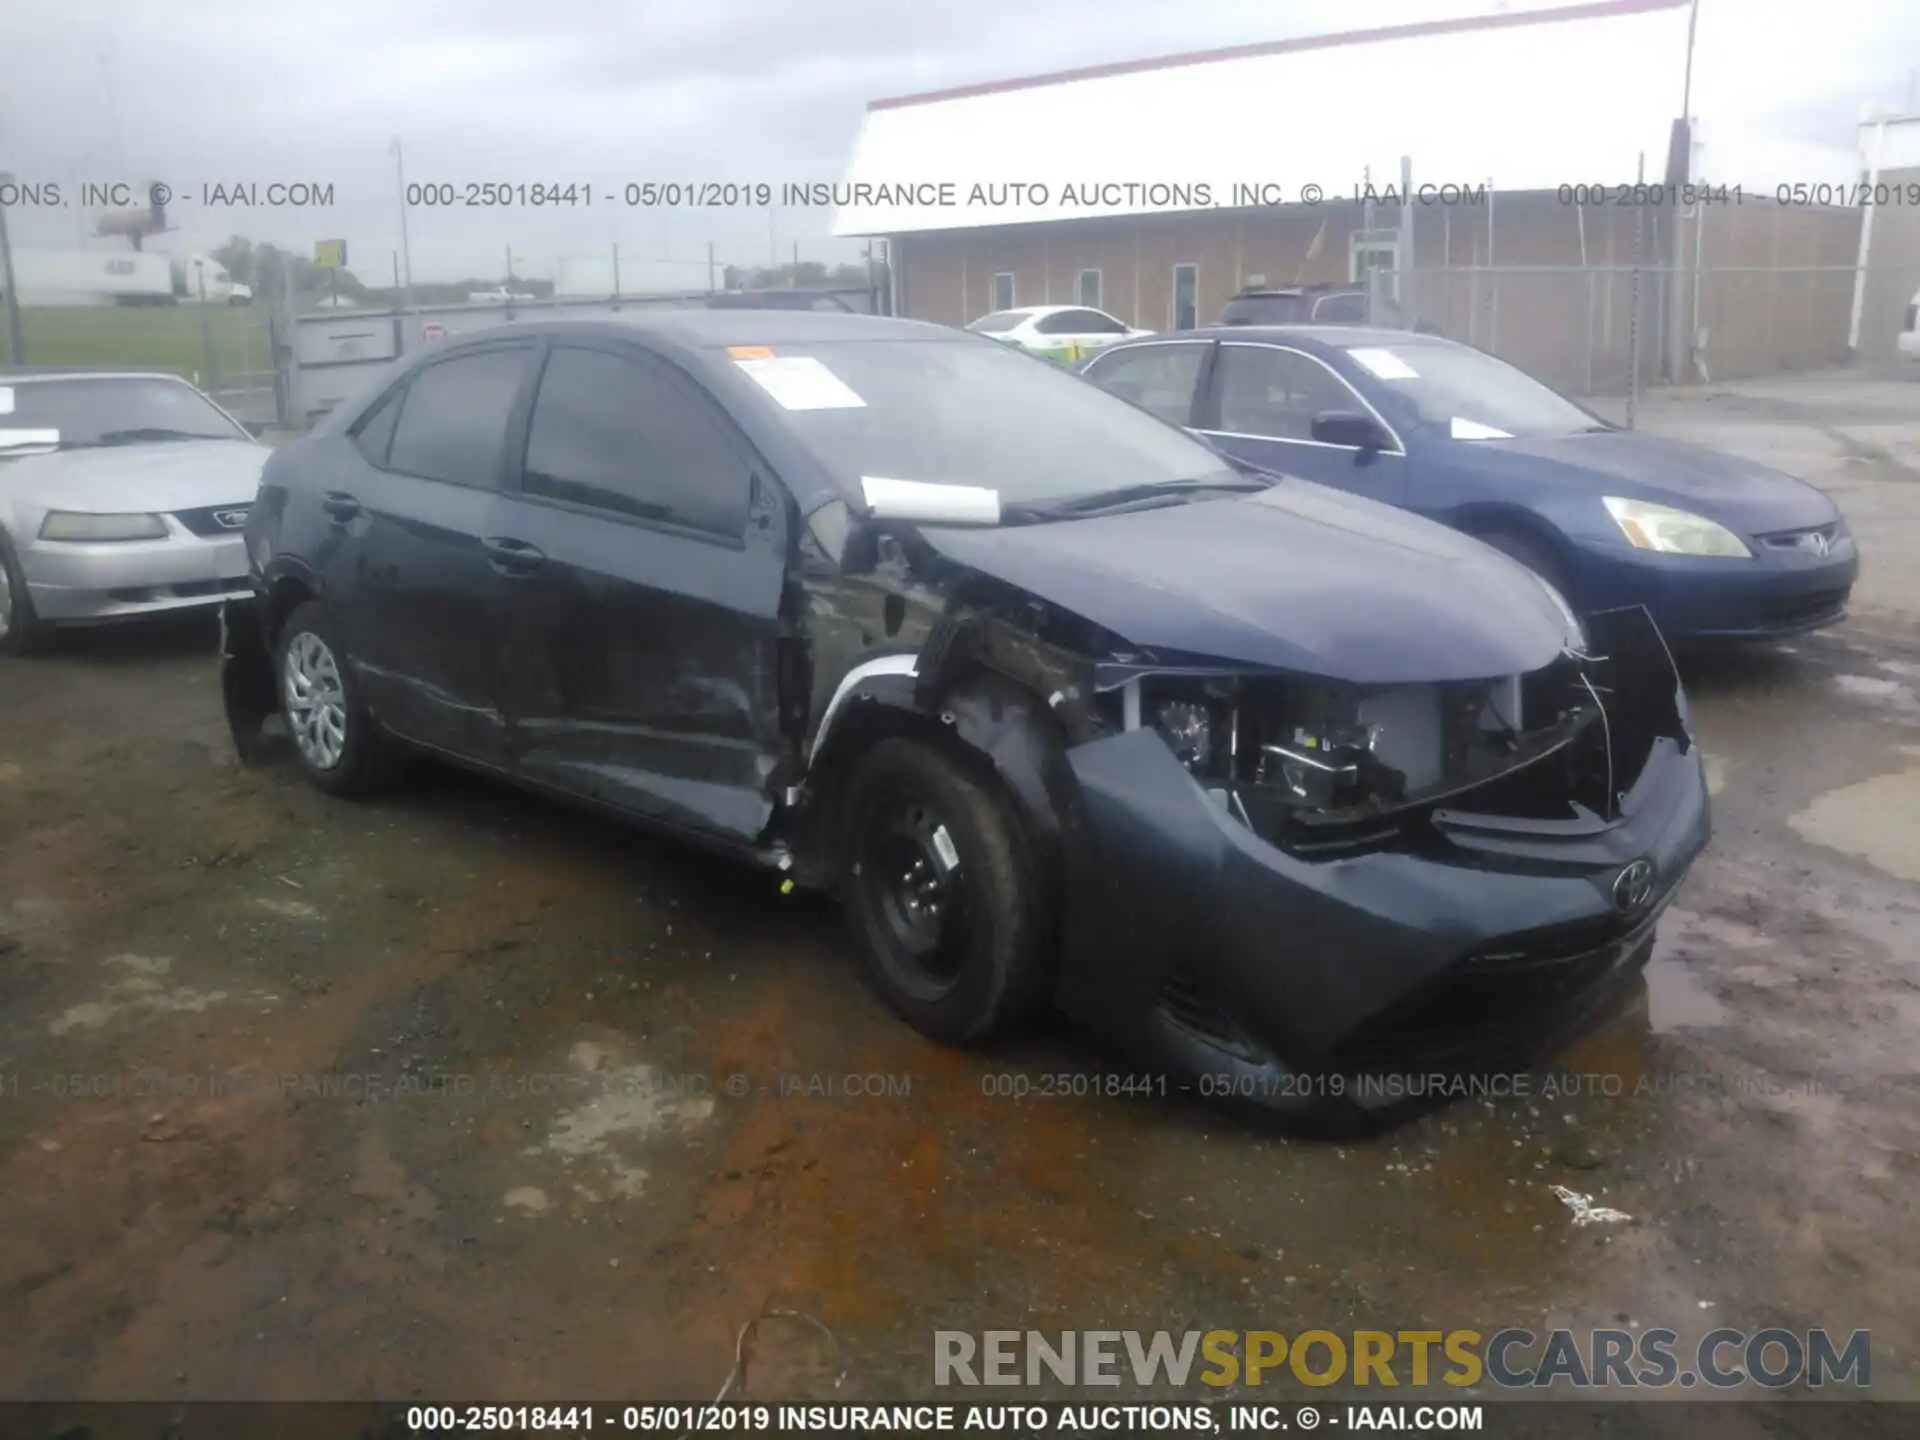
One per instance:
(91, 277)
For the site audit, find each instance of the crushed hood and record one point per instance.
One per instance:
(163, 476)
(1299, 577)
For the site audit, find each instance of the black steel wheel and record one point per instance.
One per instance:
(942, 896)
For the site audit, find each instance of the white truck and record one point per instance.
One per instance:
(91, 277)
(199, 276)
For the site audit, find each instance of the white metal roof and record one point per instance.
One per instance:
(1526, 100)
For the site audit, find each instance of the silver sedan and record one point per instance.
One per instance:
(121, 495)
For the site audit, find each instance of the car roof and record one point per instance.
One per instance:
(1033, 312)
(16, 374)
(1293, 292)
(1334, 337)
(701, 329)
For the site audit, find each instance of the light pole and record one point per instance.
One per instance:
(16, 351)
(406, 252)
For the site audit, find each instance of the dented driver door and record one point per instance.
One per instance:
(645, 558)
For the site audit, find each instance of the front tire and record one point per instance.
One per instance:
(21, 631)
(340, 747)
(945, 903)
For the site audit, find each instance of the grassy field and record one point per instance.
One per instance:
(164, 337)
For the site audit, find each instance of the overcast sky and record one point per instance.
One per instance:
(696, 90)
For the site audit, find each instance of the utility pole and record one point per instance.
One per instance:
(1865, 254)
(406, 250)
(16, 351)
(1680, 153)
(206, 327)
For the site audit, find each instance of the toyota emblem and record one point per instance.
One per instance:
(230, 519)
(1633, 887)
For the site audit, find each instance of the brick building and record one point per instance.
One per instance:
(1155, 189)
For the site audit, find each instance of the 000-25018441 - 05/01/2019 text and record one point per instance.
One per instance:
(931, 1419)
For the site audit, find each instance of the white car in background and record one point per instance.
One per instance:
(1910, 333)
(121, 495)
(1060, 332)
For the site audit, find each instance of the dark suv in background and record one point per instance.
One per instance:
(1315, 305)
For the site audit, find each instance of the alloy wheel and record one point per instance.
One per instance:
(316, 701)
(6, 603)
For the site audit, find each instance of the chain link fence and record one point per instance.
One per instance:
(1614, 330)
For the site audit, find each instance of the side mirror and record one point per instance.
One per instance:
(255, 428)
(1349, 427)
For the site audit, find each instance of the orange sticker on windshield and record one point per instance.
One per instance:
(749, 352)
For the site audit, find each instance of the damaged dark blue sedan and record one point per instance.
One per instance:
(1302, 799)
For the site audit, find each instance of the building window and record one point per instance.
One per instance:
(1371, 250)
(1003, 291)
(1186, 298)
(1086, 290)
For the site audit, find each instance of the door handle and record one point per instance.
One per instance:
(339, 505)
(513, 557)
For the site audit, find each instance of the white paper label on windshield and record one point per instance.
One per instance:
(800, 382)
(1384, 363)
(1474, 430)
(935, 504)
(6, 399)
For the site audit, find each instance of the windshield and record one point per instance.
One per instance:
(966, 412)
(111, 410)
(998, 323)
(1469, 393)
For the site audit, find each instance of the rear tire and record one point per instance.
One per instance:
(339, 745)
(943, 898)
(21, 631)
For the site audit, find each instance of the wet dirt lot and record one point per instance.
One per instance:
(456, 1093)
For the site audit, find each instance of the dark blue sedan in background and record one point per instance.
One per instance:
(1716, 547)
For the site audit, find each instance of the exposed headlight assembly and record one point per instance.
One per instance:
(1667, 531)
(80, 525)
(1187, 727)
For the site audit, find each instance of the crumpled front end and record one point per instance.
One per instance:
(1297, 892)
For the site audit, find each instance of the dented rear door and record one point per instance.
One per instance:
(639, 636)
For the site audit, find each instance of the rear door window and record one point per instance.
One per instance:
(373, 432)
(452, 423)
(1159, 379)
